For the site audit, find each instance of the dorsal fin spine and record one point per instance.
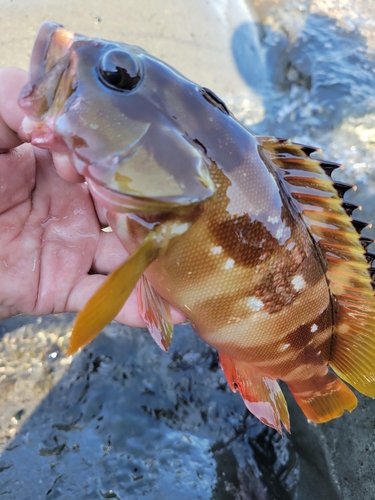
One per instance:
(360, 224)
(370, 257)
(366, 240)
(329, 167)
(350, 207)
(342, 188)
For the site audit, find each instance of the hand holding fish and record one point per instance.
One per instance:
(53, 253)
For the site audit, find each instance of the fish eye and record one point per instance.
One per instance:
(118, 70)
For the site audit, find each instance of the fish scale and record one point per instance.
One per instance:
(248, 236)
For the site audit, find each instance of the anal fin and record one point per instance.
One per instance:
(328, 400)
(261, 394)
(155, 313)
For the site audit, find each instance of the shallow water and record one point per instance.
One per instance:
(124, 420)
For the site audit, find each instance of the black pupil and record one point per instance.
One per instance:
(119, 70)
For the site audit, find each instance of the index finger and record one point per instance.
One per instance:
(11, 82)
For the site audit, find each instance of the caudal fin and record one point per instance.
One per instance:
(328, 401)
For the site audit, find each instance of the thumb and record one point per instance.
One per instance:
(11, 82)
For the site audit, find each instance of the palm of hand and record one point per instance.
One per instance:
(50, 233)
(49, 236)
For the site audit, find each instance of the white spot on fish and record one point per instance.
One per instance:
(290, 245)
(314, 328)
(274, 219)
(254, 304)
(233, 319)
(175, 229)
(216, 250)
(179, 228)
(298, 283)
(279, 233)
(285, 347)
(94, 126)
(229, 264)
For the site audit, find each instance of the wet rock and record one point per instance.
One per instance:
(138, 423)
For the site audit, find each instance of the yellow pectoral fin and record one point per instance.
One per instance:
(108, 300)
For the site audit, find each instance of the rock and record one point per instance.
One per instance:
(125, 420)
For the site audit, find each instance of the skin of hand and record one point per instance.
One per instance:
(53, 253)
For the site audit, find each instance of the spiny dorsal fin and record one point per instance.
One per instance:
(366, 240)
(319, 201)
(329, 167)
(287, 147)
(360, 224)
(370, 257)
(350, 207)
(342, 187)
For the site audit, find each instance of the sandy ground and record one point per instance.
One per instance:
(192, 36)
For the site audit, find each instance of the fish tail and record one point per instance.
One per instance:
(324, 399)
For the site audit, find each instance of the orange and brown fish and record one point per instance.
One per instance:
(248, 236)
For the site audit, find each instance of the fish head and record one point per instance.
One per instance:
(113, 108)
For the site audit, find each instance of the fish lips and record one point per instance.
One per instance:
(49, 61)
(53, 43)
(50, 58)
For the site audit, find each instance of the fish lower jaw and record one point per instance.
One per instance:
(41, 134)
(107, 198)
(127, 203)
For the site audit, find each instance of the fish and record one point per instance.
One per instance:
(250, 237)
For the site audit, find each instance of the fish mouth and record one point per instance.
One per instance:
(51, 73)
(52, 43)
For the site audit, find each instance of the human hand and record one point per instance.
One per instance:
(50, 233)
